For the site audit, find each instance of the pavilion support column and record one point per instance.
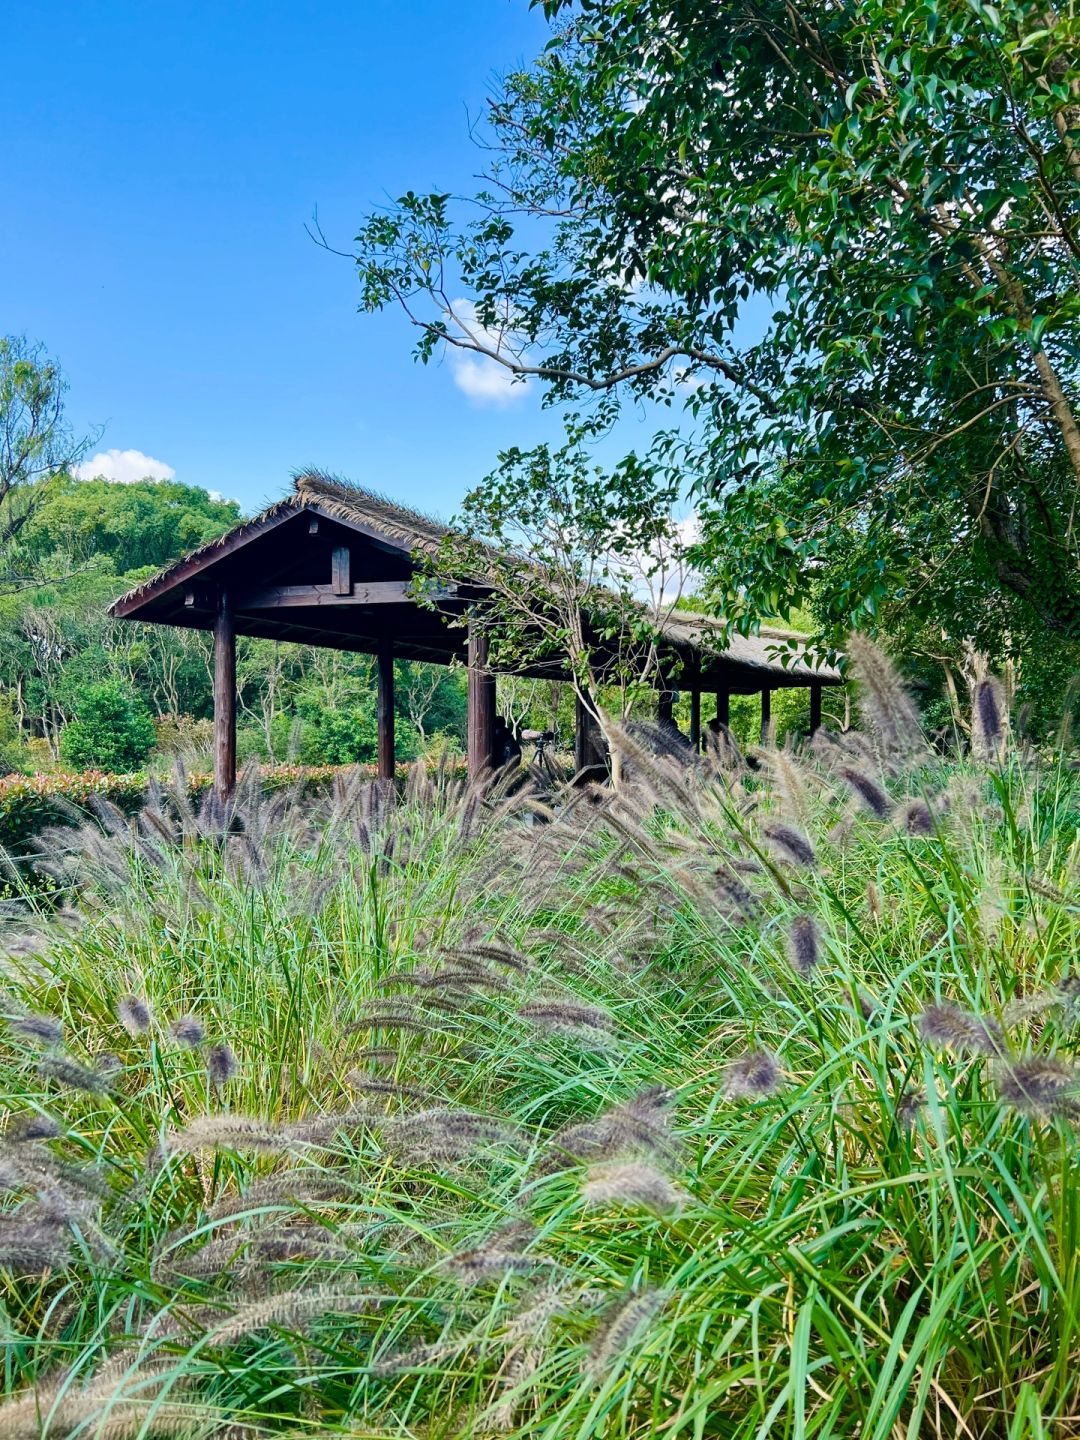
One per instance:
(766, 714)
(695, 719)
(224, 699)
(588, 743)
(385, 714)
(815, 709)
(723, 707)
(481, 706)
(665, 700)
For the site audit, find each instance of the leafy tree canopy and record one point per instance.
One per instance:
(898, 182)
(36, 442)
(148, 523)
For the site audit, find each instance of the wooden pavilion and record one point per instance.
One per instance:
(333, 565)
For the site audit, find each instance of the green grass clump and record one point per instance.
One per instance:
(738, 1102)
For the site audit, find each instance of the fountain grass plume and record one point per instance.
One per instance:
(871, 795)
(752, 1076)
(804, 945)
(134, 1014)
(1040, 1086)
(221, 1065)
(190, 1031)
(45, 1029)
(789, 844)
(885, 701)
(631, 1184)
(621, 1331)
(72, 1075)
(988, 719)
(951, 1028)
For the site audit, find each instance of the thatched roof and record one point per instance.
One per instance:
(396, 528)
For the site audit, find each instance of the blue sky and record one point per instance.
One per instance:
(160, 164)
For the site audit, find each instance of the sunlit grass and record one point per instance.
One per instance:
(494, 1159)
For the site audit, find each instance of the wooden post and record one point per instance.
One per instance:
(695, 719)
(340, 570)
(385, 658)
(723, 707)
(588, 747)
(481, 706)
(815, 708)
(766, 714)
(224, 699)
(664, 702)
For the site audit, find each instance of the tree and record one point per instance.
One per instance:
(893, 189)
(36, 442)
(580, 569)
(147, 523)
(112, 729)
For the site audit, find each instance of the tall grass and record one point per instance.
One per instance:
(739, 1102)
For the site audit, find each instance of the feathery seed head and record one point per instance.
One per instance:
(221, 1065)
(74, 1076)
(908, 1108)
(632, 1184)
(620, 1329)
(189, 1031)
(1040, 1086)
(950, 1028)
(885, 701)
(378, 1055)
(26, 1128)
(134, 1014)
(915, 817)
(788, 843)
(988, 719)
(44, 1028)
(870, 793)
(752, 1076)
(804, 944)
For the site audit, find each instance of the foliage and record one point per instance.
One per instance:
(36, 442)
(726, 1105)
(845, 240)
(580, 571)
(112, 729)
(149, 523)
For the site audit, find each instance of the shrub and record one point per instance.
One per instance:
(112, 729)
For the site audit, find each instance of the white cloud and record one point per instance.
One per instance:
(481, 378)
(124, 467)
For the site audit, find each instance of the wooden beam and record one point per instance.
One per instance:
(377, 592)
(815, 708)
(695, 719)
(664, 703)
(385, 661)
(340, 567)
(766, 713)
(723, 707)
(481, 706)
(224, 699)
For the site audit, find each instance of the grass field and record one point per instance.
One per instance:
(739, 1102)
